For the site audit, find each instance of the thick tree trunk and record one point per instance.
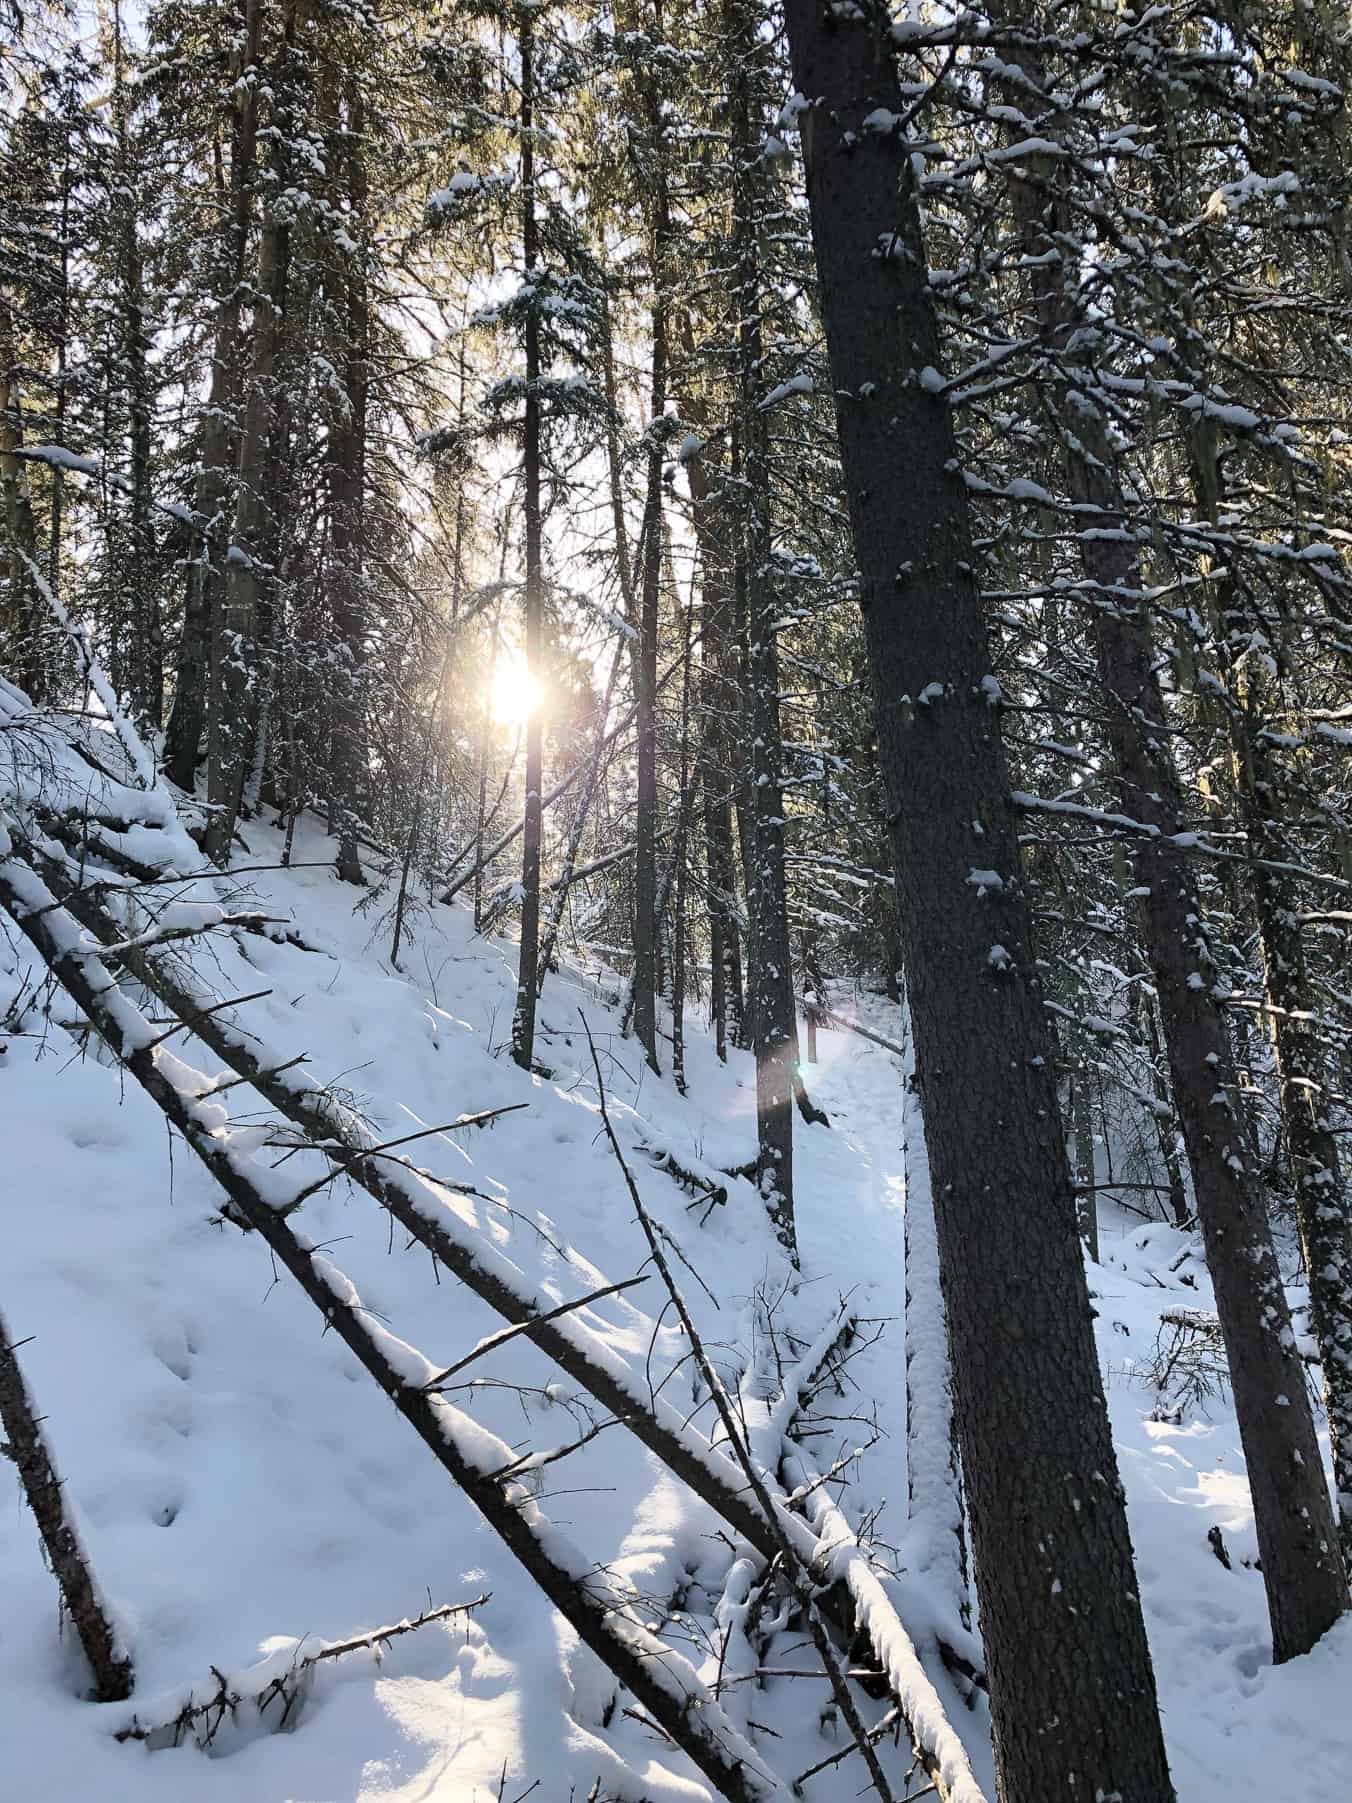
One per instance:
(773, 1015)
(936, 1534)
(528, 966)
(1052, 1557)
(775, 1040)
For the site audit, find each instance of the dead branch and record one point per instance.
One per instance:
(840, 1558)
(792, 1566)
(494, 1340)
(414, 1200)
(203, 1721)
(828, 1018)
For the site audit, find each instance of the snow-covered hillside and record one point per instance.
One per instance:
(244, 1487)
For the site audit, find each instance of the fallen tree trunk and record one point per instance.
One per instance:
(662, 1681)
(419, 1204)
(26, 1444)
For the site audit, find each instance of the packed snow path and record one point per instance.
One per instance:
(242, 1484)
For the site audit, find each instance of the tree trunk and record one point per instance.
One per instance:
(774, 1021)
(20, 630)
(136, 575)
(26, 1445)
(234, 676)
(580, 818)
(1253, 707)
(1083, 1118)
(646, 924)
(1302, 1569)
(347, 498)
(715, 707)
(1051, 1552)
(206, 575)
(528, 967)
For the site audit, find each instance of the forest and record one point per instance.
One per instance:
(704, 647)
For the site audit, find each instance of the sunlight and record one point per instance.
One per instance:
(515, 693)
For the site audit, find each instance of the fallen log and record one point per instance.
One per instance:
(422, 1206)
(663, 1682)
(25, 1443)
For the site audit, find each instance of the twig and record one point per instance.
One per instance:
(494, 1340)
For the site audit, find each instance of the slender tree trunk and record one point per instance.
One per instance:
(1052, 1557)
(138, 576)
(580, 818)
(715, 706)
(347, 485)
(679, 855)
(1302, 1569)
(646, 923)
(1253, 708)
(1083, 1118)
(528, 969)
(20, 642)
(1316, 1169)
(56, 522)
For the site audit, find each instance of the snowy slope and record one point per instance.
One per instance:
(243, 1484)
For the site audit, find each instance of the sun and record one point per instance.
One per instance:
(515, 694)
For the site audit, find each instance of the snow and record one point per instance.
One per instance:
(801, 383)
(247, 1493)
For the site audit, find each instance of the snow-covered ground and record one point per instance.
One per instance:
(242, 1484)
